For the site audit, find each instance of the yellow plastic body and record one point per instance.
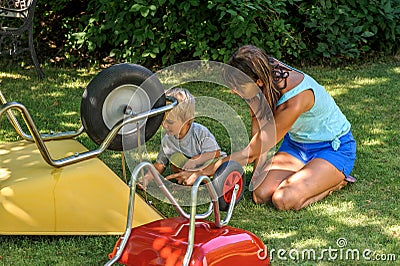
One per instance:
(85, 198)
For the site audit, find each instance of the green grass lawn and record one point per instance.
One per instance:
(362, 219)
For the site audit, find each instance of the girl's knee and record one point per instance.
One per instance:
(285, 200)
(282, 198)
(279, 200)
(257, 199)
(261, 196)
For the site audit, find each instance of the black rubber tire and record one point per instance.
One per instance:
(224, 180)
(100, 87)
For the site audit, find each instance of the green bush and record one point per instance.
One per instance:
(350, 28)
(55, 21)
(157, 33)
(165, 32)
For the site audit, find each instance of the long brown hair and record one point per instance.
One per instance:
(256, 64)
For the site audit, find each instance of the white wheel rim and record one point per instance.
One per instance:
(116, 103)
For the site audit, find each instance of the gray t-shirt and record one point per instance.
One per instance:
(198, 140)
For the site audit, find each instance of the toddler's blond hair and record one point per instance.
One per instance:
(185, 107)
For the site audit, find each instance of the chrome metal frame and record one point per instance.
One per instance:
(214, 208)
(39, 139)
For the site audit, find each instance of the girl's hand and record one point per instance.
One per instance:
(190, 165)
(143, 182)
(186, 178)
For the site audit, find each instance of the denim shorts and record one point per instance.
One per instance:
(343, 158)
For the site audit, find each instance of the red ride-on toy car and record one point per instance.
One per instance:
(189, 239)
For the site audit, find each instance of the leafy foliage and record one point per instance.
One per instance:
(157, 33)
(348, 29)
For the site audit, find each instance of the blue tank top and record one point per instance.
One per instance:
(323, 122)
